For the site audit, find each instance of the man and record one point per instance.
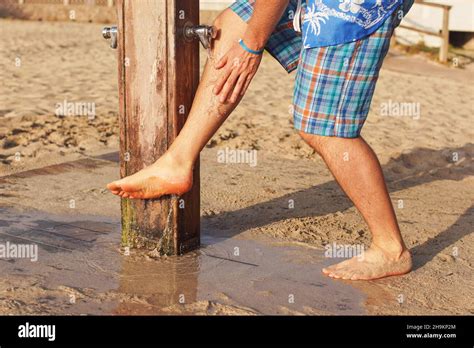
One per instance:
(338, 55)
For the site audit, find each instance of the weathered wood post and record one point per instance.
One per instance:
(158, 77)
(444, 49)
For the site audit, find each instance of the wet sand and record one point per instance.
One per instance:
(427, 162)
(81, 269)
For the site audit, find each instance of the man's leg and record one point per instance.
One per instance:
(357, 170)
(172, 173)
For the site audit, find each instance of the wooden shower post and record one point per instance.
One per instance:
(158, 77)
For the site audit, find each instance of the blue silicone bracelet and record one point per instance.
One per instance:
(244, 46)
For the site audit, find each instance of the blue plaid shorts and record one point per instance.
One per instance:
(334, 85)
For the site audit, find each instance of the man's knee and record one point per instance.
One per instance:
(229, 27)
(317, 142)
(218, 21)
(225, 18)
(331, 146)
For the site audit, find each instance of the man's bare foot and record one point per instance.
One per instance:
(375, 263)
(165, 177)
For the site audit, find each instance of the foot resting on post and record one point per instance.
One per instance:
(166, 176)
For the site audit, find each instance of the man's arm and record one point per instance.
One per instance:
(239, 66)
(265, 17)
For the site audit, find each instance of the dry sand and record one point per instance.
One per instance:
(427, 161)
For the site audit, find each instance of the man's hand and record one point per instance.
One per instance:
(238, 67)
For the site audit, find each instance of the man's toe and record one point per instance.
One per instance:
(355, 276)
(345, 274)
(113, 186)
(130, 187)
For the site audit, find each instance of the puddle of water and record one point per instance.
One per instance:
(79, 258)
(270, 278)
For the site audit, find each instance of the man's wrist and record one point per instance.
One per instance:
(254, 42)
(248, 49)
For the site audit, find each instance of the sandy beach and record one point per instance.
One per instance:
(426, 157)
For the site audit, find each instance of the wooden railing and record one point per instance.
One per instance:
(109, 3)
(443, 33)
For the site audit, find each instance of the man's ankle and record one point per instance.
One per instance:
(180, 160)
(391, 248)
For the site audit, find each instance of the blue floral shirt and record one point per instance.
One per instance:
(334, 22)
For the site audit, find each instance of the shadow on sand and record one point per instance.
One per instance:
(424, 165)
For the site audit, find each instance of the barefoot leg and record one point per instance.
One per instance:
(172, 173)
(357, 170)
